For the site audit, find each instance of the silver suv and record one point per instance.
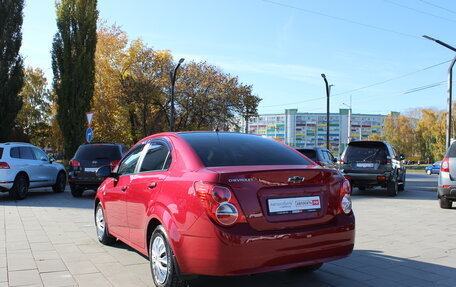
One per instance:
(24, 166)
(447, 178)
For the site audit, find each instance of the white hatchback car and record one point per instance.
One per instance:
(24, 166)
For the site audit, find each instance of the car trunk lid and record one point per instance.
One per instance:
(283, 197)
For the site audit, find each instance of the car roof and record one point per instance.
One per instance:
(15, 144)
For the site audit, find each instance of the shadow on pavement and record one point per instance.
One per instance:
(46, 198)
(362, 268)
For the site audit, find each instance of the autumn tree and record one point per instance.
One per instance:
(430, 134)
(73, 64)
(399, 132)
(11, 64)
(34, 119)
(110, 119)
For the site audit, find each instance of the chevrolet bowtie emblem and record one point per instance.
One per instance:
(296, 179)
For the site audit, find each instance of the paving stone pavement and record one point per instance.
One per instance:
(49, 240)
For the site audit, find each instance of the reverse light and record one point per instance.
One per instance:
(4, 165)
(445, 165)
(220, 204)
(345, 198)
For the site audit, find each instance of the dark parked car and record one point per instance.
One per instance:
(224, 204)
(87, 159)
(320, 155)
(373, 163)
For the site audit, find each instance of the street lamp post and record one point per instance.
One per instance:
(173, 81)
(327, 109)
(450, 88)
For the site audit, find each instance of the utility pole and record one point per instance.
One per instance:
(327, 109)
(349, 119)
(450, 88)
(173, 81)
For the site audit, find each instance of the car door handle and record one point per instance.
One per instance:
(124, 187)
(152, 184)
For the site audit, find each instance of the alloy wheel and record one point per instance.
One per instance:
(160, 260)
(101, 225)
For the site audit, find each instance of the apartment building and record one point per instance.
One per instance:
(309, 129)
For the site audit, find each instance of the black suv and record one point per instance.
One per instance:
(320, 155)
(87, 159)
(373, 163)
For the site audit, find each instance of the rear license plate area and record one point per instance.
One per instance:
(293, 205)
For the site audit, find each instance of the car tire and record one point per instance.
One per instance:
(76, 190)
(391, 188)
(307, 269)
(429, 172)
(163, 266)
(102, 228)
(445, 203)
(20, 187)
(60, 183)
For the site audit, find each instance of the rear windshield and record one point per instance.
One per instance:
(310, 153)
(371, 152)
(230, 149)
(1, 152)
(98, 151)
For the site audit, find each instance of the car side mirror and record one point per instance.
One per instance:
(401, 157)
(105, 171)
(51, 160)
(335, 160)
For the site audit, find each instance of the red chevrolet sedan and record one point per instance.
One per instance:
(222, 204)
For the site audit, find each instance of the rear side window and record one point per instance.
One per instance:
(230, 149)
(451, 152)
(26, 153)
(310, 153)
(157, 158)
(1, 152)
(366, 152)
(98, 151)
(22, 153)
(14, 153)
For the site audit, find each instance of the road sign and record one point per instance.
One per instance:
(89, 118)
(89, 135)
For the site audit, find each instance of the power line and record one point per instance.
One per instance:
(361, 88)
(419, 11)
(392, 79)
(437, 6)
(340, 19)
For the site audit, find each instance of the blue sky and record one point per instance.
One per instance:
(282, 46)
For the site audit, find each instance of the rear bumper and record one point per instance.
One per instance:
(5, 186)
(447, 192)
(84, 180)
(230, 253)
(367, 179)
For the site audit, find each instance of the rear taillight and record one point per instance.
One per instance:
(341, 161)
(347, 176)
(220, 203)
(74, 163)
(345, 198)
(114, 163)
(445, 165)
(4, 165)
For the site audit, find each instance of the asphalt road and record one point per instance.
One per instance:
(49, 239)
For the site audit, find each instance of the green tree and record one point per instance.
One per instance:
(73, 64)
(34, 119)
(11, 64)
